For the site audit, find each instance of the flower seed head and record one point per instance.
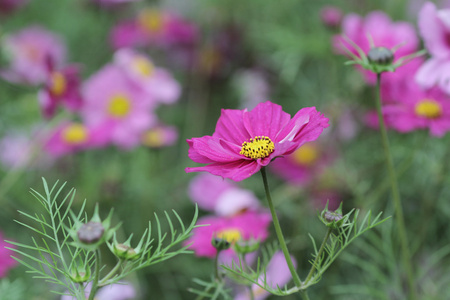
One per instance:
(220, 244)
(90, 232)
(380, 56)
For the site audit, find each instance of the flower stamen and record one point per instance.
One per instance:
(428, 108)
(259, 147)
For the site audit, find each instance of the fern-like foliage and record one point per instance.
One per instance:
(55, 257)
(213, 289)
(335, 245)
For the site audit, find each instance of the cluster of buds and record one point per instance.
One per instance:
(240, 246)
(333, 219)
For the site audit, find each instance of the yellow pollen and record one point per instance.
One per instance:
(259, 147)
(151, 20)
(306, 155)
(153, 138)
(74, 134)
(428, 108)
(119, 106)
(58, 83)
(229, 235)
(142, 66)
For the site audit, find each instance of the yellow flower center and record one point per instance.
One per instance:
(259, 147)
(142, 66)
(151, 20)
(229, 235)
(153, 138)
(428, 108)
(306, 155)
(119, 106)
(58, 83)
(74, 134)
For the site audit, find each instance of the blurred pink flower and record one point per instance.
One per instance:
(15, 150)
(154, 27)
(6, 262)
(117, 291)
(160, 136)
(62, 87)
(113, 2)
(245, 226)
(156, 82)
(252, 86)
(331, 16)
(434, 26)
(72, 137)
(219, 195)
(378, 27)
(30, 51)
(277, 275)
(111, 101)
(7, 6)
(245, 141)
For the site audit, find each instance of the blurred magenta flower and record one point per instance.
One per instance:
(29, 53)
(154, 27)
(245, 141)
(6, 262)
(156, 82)
(62, 87)
(331, 16)
(434, 26)
(112, 101)
(245, 226)
(160, 136)
(376, 27)
(221, 196)
(117, 291)
(8, 6)
(277, 275)
(71, 137)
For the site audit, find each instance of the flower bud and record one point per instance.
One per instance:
(380, 56)
(90, 232)
(125, 252)
(80, 275)
(245, 247)
(220, 244)
(333, 219)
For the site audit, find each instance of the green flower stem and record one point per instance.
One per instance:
(96, 275)
(279, 233)
(216, 266)
(319, 254)
(406, 256)
(103, 281)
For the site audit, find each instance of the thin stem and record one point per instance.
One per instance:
(111, 273)
(216, 266)
(96, 275)
(279, 233)
(319, 254)
(406, 256)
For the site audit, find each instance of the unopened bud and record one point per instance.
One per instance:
(381, 56)
(220, 244)
(125, 252)
(90, 232)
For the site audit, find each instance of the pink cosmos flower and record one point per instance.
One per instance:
(331, 16)
(119, 291)
(379, 28)
(245, 226)
(6, 262)
(245, 141)
(15, 150)
(71, 137)
(110, 100)
(62, 87)
(160, 136)
(419, 109)
(156, 82)
(221, 196)
(434, 26)
(277, 275)
(30, 51)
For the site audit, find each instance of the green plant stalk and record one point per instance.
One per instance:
(216, 266)
(96, 276)
(319, 254)
(103, 281)
(406, 256)
(279, 233)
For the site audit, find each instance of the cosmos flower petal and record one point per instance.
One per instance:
(236, 170)
(266, 119)
(230, 126)
(433, 31)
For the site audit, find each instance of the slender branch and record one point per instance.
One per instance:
(319, 254)
(406, 256)
(103, 281)
(96, 275)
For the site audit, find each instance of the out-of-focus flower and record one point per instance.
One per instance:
(156, 82)
(113, 2)
(160, 136)
(378, 28)
(154, 27)
(6, 262)
(434, 26)
(29, 52)
(245, 141)
(331, 16)
(117, 291)
(111, 101)
(62, 87)
(15, 150)
(277, 275)
(245, 226)
(7, 6)
(252, 86)
(221, 196)
(71, 137)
